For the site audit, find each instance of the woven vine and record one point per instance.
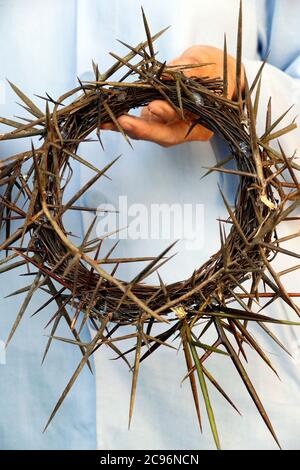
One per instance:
(33, 184)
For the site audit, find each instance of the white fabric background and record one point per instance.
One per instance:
(64, 37)
(38, 53)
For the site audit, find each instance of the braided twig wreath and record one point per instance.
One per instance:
(74, 274)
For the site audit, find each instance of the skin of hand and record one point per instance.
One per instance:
(159, 122)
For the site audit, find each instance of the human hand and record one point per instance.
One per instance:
(159, 122)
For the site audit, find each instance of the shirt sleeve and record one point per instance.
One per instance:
(278, 37)
(282, 35)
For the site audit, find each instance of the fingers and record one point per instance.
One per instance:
(108, 126)
(163, 111)
(161, 133)
(156, 111)
(149, 116)
(159, 122)
(154, 131)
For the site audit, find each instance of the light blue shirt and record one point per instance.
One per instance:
(38, 54)
(44, 46)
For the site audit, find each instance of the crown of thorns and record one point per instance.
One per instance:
(75, 275)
